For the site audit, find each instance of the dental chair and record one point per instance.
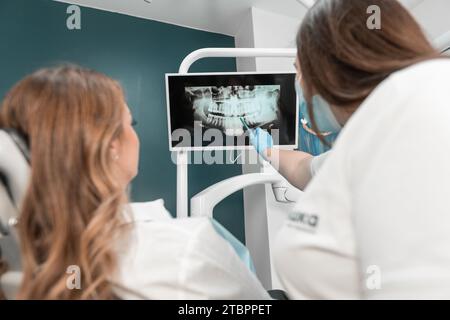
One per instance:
(14, 177)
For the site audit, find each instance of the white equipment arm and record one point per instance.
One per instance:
(182, 171)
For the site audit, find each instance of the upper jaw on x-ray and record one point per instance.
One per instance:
(222, 107)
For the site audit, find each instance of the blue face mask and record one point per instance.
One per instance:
(325, 120)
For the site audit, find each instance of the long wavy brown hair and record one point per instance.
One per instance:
(72, 212)
(343, 60)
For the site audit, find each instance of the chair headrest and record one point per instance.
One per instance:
(14, 175)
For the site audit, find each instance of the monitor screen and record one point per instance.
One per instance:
(217, 110)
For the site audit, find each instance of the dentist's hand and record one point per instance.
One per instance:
(262, 141)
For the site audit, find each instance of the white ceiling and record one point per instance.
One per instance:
(220, 16)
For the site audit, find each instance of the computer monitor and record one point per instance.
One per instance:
(214, 111)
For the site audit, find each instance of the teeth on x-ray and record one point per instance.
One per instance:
(222, 107)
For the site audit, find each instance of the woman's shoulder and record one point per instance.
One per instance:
(441, 64)
(150, 223)
(152, 254)
(415, 95)
(153, 216)
(182, 259)
(423, 79)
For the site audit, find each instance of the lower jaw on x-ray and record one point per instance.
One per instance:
(223, 107)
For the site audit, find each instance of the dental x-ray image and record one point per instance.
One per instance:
(223, 107)
(231, 104)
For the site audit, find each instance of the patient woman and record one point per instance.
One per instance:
(84, 153)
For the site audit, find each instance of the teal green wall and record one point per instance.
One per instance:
(138, 53)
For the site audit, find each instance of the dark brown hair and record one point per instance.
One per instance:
(343, 60)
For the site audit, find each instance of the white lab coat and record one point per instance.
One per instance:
(375, 221)
(165, 258)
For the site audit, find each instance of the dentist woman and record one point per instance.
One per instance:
(374, 222)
